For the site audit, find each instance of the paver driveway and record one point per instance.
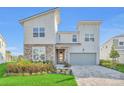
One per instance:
(97, 75)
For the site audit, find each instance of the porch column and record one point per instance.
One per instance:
(54, 54)
(69, 55)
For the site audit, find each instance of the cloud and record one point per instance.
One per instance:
(112, 27)
(117, 21)
(15, 51)
(11, 48)
(114, 24)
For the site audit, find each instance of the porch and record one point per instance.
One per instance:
(62, 54)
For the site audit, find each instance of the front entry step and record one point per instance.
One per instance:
(59, 66)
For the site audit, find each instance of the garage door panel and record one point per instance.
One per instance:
(83, 58)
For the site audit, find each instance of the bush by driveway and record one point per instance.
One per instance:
(113, 65)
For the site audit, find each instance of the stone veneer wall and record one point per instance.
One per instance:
(49, 51)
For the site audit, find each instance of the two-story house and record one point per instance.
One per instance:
(2, 49)
(118, 42)
(43, 41)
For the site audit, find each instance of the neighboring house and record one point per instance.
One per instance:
(118, 42)
(2, 49)
(9, 56)
(43, 41)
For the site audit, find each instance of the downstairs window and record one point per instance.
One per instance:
(38, 54)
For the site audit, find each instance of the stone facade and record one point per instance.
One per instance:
(50, 50)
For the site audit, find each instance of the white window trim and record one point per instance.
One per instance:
(74, 38)
(34, 31)
(119, 43)
(38, 47)
(38, 32)
(41, 31)
(89, 36)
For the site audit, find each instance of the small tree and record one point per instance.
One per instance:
(20, 58)
(114, 54)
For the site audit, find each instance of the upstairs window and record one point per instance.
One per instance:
(89, 37)
(86, 37)
(121, 43)
(41, 32)
(92, 37)
(38, 32)
(35, 32)
(74, 38)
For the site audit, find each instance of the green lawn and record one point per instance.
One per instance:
(112, 65)
(2, 69)
(120, 68)
(36, 80)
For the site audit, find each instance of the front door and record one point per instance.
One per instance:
(60, 56)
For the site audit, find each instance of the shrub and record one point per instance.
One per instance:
(113, 65)
(23, 67)
(66, 64)
(11, 68)
(108, 63)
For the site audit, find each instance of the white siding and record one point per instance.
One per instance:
(120, 39)
(48, 22)
(2, 50)
(87, 47)
(89, 29)
(66, 37)
(105, 50)
(121, 58)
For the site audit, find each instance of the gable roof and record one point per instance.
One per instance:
(121, 35)
(90, 22)
(37, 15)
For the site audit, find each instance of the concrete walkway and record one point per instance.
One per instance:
(97, 76)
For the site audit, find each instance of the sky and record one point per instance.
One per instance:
(13, 32)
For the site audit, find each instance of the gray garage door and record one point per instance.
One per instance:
(83, 58)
